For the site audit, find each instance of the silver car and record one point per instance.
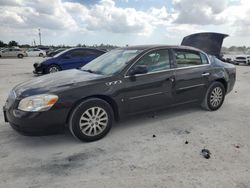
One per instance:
(12, 52)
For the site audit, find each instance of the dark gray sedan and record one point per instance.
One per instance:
(120, 83)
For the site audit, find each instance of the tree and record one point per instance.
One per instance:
(13, 43)
(2, 44)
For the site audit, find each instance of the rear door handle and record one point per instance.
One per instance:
(205, 74)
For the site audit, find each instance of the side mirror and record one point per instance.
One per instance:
(139, 69)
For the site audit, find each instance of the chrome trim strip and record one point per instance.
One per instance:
(189, 87)
(195, 66)
(147, 95)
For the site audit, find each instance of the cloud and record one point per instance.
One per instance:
(106, 19)
(104, 15)
(198, 12)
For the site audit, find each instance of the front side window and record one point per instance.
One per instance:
(186, 58)
(156, 61)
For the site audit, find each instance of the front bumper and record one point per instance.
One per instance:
(35, 122)
(38, 68)
(241, 61)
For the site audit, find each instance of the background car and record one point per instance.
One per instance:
(245, 59)
(33, 52)
(44, 48)
(12, 52)
(68, 59)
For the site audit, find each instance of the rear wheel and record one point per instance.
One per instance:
(214, 97)
(20, 55)
(40, 55)
(91, 120)
(52, 69)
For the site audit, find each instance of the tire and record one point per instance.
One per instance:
(20, 55)
(214, 97)
(40, 55)
(52, 69)
(91, 120)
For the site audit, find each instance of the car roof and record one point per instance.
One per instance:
(83, 48)
(154, 46)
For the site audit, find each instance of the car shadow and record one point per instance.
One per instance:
(64, 136)
(156, 116)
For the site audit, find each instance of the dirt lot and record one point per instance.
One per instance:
(130, 156)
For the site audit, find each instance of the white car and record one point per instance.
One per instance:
(12, 52)
(35, 52)
(242, 59)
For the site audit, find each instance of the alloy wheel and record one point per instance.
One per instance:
(93, 121)
(216, 96)
(53, 69)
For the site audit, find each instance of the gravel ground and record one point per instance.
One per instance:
(130, 156)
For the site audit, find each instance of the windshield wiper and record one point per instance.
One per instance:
(91, 71)
(88, 70)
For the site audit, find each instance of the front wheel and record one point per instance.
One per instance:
(91, 120)
(52, 69)
(40, 55)
(20, 55)
(214, 97)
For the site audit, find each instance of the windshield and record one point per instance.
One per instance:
(62, 52)
(111, 62)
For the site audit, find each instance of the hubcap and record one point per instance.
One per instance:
(93, 121)
(216, 97)
(53, 69)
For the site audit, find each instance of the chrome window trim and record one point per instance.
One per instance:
(170, 69)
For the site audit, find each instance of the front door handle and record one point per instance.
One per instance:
(172, 79)
(205, 74)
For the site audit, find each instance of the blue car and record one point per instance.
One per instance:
(67, 59)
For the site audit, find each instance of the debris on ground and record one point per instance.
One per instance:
(205, 153)
(237, 146)
(186, 142)
(153, 136)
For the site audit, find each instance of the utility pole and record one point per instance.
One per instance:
(39, 33)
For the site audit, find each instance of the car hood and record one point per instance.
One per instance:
(56, 82)
(211, 43)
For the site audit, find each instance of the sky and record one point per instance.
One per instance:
(122, 22)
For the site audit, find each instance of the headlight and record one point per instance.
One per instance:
(37, 103)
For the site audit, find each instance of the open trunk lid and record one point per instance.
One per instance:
(211, 43)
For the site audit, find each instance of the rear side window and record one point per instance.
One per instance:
(82, 53)
(187, 58)
(204, 58)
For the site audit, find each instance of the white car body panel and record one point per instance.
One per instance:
(35, 52)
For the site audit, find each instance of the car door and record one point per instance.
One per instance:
(191, 75)
(7, 52)
(34, 52)
(151, 90)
